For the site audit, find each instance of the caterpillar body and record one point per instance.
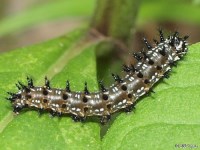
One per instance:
(149, 66)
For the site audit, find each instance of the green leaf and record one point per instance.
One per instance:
(68, 57)
(46, 12)
(166, 118)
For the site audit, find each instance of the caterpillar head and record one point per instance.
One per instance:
(179, 44)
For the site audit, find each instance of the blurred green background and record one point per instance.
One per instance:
(34, 21)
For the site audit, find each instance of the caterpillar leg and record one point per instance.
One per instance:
(78, 118)
(129, 108)
(105, 119)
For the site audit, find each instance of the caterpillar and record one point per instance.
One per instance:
(148, 67)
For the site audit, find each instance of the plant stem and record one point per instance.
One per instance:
(115, 18)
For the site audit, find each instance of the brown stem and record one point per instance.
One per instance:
(115, 18)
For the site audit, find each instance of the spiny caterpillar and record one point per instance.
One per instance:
(149, 66)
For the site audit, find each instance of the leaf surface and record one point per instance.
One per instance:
(161, 121)
(166, 118)
(68, 57)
